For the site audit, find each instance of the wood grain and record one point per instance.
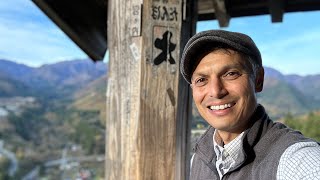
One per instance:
(142, 95)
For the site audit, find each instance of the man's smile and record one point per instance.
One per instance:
(221, 107)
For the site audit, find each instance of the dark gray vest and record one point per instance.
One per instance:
(263, 145)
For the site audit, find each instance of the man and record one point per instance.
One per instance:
(224, 70)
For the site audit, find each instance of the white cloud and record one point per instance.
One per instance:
(29, 37)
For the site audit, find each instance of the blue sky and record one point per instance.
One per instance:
(29, 37)
(292, 47)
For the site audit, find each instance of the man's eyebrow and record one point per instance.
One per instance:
(235, 65)
(199, 74)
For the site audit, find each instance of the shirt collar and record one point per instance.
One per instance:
(233, 148)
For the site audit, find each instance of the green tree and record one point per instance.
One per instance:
(28, 122)
(309, 126)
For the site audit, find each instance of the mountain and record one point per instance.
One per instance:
(38, 119)
(283, 94)
(14, 70)
(271, 73)
(85, 82)
(92, 97)
(71, 73)
(280, 98)
(54, 80)
(10, 87)
(309, 85)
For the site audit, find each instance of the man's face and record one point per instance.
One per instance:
(223, 91)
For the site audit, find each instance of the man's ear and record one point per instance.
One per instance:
(259, 79)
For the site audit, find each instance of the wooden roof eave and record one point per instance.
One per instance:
(208, 9)
(84, 22)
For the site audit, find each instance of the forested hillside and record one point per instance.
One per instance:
(39, 122)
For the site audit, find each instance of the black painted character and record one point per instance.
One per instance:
(166, 46)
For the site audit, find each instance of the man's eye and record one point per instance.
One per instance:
(232, 75)
(200, 81)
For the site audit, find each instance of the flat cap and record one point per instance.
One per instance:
(205, 41)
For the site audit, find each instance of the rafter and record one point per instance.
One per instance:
(276, 9)
(221, 13)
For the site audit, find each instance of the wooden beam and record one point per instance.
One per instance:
(184, 116)
(276, 9)
(221, 13)
(146, 97)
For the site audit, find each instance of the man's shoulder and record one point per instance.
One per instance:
(302, 147)
(300, 160)
(277, 138)
(281, 133)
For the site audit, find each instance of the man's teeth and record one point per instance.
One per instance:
(220, 107)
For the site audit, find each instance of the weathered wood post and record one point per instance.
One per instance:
(147, 102)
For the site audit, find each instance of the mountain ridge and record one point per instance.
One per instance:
(58, 79)
(282, 94)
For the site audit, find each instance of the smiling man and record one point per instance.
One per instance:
(224, 70)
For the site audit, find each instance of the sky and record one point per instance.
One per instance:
(29, 37)
(292, 46)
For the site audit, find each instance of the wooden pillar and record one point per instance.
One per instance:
(147, 117)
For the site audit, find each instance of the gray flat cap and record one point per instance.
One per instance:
(201, 43)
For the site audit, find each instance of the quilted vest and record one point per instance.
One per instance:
(263, 144)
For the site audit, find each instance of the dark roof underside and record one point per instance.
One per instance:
(224, 10)
(85, 21)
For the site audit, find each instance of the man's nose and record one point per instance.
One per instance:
(217, 88)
